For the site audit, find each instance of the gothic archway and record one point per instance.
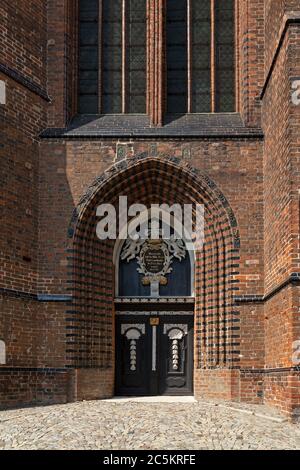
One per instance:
(150, 180)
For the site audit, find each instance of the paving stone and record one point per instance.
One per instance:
(140, 425)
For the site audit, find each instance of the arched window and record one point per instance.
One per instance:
(195, 72)
(200, 56)
(112, 56)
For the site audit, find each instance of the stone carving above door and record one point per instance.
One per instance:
(175, 331)
(154, 257)
(132, 330)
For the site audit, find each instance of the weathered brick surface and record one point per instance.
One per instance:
(34, 332)
(282, 391)
(68, 168)
(44, 179)
(34, 387)
(281, 125)
(250, 58)
(62, 52)
(217, 385)
(23, 30)
(94, 384)
(23, 49)
(19, 177)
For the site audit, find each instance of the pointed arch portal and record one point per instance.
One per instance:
(154, 342)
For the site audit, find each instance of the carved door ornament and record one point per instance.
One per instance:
(154, 257)
(133, 332)
(154, 354)
(175, 333)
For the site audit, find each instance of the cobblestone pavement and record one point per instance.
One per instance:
(150, 426)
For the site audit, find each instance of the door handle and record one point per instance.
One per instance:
(154, 343)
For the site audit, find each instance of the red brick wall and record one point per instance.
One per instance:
(277, 174)
(274, 12)
(250, 59)
(294, 67)
(68, 168)
(23, 38)
(251, 386)
(217, 385)
(252, 347)
(94, 384)
(282, 391)
(22, 117)
(61, 60)
(281, 169)
(34, 387)
(23, 50)
(279, 329)
(34, 332)
(28, 344)
(43, 181)
(281, 157)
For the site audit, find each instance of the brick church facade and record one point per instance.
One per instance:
(163, 102)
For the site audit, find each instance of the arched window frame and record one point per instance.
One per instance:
(155, 76)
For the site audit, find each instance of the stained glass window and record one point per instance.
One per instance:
(111, 62)
(136, 57)
(199, 46)
(112, 56)
(200, 56)
(176, 39)
(225, 95)
(88, 57)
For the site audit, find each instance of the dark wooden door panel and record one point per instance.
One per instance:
(132, 361)
(154, 357)
(176, 356)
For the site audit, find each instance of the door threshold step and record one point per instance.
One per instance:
(157, 399)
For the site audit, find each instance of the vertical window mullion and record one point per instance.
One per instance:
(213, 56)
(136, 57)
(124, 55)
(236, 56)
(225, 55)
(189, 56)
(100, 41)
(201, 56)
(156, 68)
(177, 63)
(88, 73)
(111, 57)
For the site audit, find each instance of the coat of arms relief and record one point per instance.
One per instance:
(154, 257)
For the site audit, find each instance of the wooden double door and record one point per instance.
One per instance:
(154, 353)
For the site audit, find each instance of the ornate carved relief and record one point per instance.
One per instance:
(154, 257)
(175, 332)
(133, 333)
(129, 330)
(169, 327)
